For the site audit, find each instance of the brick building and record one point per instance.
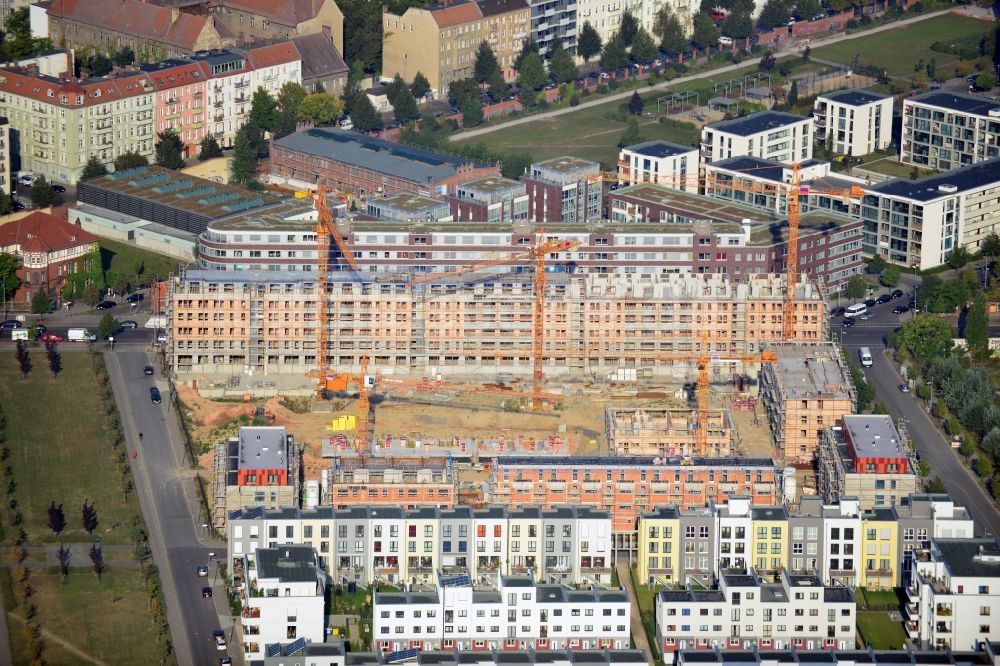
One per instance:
(355, 481)
(368, 166)
(491, 200)
(652, 431)
(49, 249)
(564, 189)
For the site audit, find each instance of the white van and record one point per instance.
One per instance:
(80, 335)
(725, 41)
(855, 310)
(865, 355)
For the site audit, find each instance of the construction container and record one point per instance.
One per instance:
(312, 494)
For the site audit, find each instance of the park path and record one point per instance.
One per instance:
(790, 50)
(635, 617)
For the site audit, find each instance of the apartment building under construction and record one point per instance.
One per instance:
(652, 431)
(266, 322)
(408, 483)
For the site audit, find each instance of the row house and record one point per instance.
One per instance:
(516, 613)
(839, 543)
(985, 654)
(568, 544)
(747, 612)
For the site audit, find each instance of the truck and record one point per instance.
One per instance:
(156, 322)
(80, 335)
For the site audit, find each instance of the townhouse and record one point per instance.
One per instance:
(746, 612)
(946, 131)
(516, 613)
(659, 162)
(985, 655)
(564, 189)
(853, 122)
(569, 544)
(768, 135)
(181, 107)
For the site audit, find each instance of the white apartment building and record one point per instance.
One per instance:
(841, 542)
(944, 130)
(920, 222)
(571, 544)
(952, 593)
(660, 162)
(5, 175)
(745, 613)
(229, 92)
(274, 66)
(517, 613)
(768, 135)
(853, 122)
(283, 594)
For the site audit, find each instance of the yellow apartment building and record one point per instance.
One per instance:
(879, 541)
(659, 547)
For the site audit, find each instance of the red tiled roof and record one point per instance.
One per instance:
(456, 14)
(171, 74)
(93, 91)
(285, 12)
(41, 232)
(133, 17)
(276, 54)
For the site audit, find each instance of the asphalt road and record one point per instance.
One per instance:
(167, 496)
(930, 443)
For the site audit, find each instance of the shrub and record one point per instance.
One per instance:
(851, 25)
(575, 100)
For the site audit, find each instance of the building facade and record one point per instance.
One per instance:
(258, 467)
(494, 200)
(947, 131)
(409, 208)
(655, 431)
(256, 21)
(7, 185)
(180, 105)
(355, 481)
(659, 162)
(768, 135)
(564, 189)
(853, 122)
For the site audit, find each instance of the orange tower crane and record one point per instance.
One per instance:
(792, 191)
(537, 254)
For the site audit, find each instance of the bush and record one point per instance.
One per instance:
(602, 89)
(952, 426)
(865, 19)
(851, 25)
(924, 391)
(939, 409)
(575, 100)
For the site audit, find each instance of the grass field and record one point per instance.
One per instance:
(898, 50)
(121, 258)
(880, 631)
(894, 168)
(59, 451)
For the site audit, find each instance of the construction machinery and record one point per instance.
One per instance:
(792, 190)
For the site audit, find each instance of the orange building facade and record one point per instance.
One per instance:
(355, 481)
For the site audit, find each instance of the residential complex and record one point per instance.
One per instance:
(952, 591)
(943, 130)
(651, 431)
(283, 593)
(493, 200)
(367, 166)
(629, 485)
(866, 458)
(985, 655)
(796, 610)
(569, 544)
(440, 40)
(659, 162)
(563, 189)
(518, 612)
(554, 21)
(918, 223)
(408, 207)
(768, 135)
(216, 328)
(853, 122)
(807, 391)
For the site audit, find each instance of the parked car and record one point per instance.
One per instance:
(225, 660)
(50, 337)
(27, 179)
(884, 298)
(134, 298)
(219, 636)
(11, 323)
(128, 325)
(900, 309)
(154, 396)
(871, 314)
(202, 570)
(904, 388)
(106, 305)
(149, 371)
(897, 293)
(58, 188)
(870, 303)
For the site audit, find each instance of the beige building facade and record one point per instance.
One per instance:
(255, 21)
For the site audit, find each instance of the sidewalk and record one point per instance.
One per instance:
(635, 617)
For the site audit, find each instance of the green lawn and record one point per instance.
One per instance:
(899, 49)
(122, 258)
(895, 168)
(877, 599)
(59, 451)
(880, 632)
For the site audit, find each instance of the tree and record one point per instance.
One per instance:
(262, 110)
(561, 65)
(705, 33)
(352, 91)
(635, 104)
(324, 109)
(614, 56)
(806, 9)
(107, 326)
(959, 257)
(631, 134)
(890, 276)
(643, 47)
(925, 337)
(63, 555)
(877, 263)
(210, 148)
(94, 168)
(18, 40)
(364, 116)
(285, 123)
(531, 78)
(54, 358)
(89, 517)
(793, 94)
(472, 111)
(990, 246)
(57, 518)
(41, 304)
(984, 467)
(628, 28)
(42, 194)
(986, 81)
(130, 160)
(290, 96)
(243, 167)
(530, 46)
(97, 560)
(23, 360)
(486, 62)
(9, 281)
(977, 333)
(405, 108)
(936, 485)
(738, 25)
(773, 14)
(856, 287)
(395, 89)
(169, 150)
(588, 42)
(6, 203)
(91, 294)
(667, 28)
(497, 86)
(459, 89)
(421, 86)
(767, 62)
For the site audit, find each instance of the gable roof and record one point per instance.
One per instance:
(90, 92)
(275, 54)
(447, 15)
(140, 19)
(319, 57)
(42, 232)
(285, 12)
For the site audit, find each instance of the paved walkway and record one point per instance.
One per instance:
(638, 632)
(789, 50)
(52, 638)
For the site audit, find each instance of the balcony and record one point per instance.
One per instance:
(387, 570)
(241, 84)
(942, 627)
(912, 629)
(943, 610)
(251, 612)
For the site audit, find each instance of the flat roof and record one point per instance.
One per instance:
(980, 106)
(263, 447)
(659, 148)
(412, 203)
(583, 462)
(755, 123)
(379, 155)
(491, 184)
(970, 557)
(696, 206)
(811, 370)
(928, 188)
(272, 218)
(873, 436)
(853, 96)
(565, 164)
(288, 564)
